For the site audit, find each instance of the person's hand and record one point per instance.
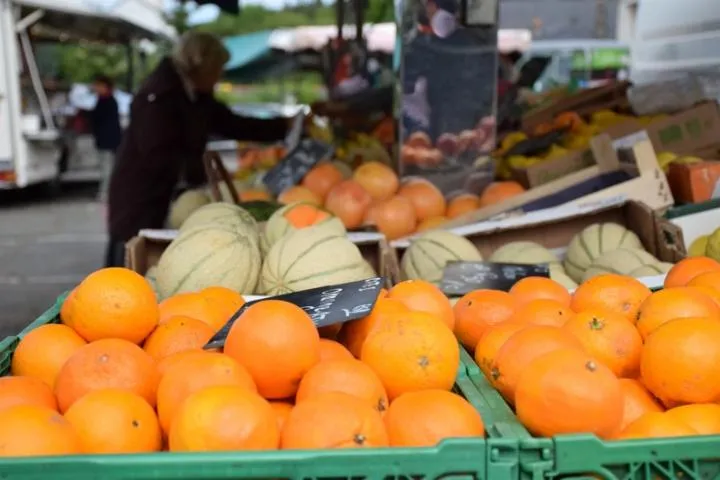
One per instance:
(415, 104)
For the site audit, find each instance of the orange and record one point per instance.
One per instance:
(354, 333)
(115, 421)
(422, 296)
(462, 204)
(685, 270)
(425, 418)
(192, 374)
(177, 334)
(394, 217)
(414, 351)
(490, 344)
(704, 418)
(656, 425)
(282, 412)
(426, 198)
(43, 351)
(566, 391)
(333, 420)
(33, 430)
(348, 376)
(536, 288)
(321, 178)
(166, 363)
(114, 303)
(348, 201)
(278, 343)
(109, 363)
(67, 307)
(479, 310)
(16, 391)
(498, 192)
(332, 350)
(543, 312)
(379, 180)
(675, 302)
(638, 401)
(224, 418)
(610, 338)
(680, 361)
(431, 223)
(298, 193)
(225, 302)
(196, 305)
(617, 293)
(302, 215)
(521, 349)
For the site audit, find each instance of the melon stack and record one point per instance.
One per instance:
(598, 249)
(220, 244)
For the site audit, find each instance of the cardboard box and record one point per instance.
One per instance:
(611, 96)
(695, 182)
(695, 220)
(144, 251)
(550, 170)
(554, 228)
(632, 172)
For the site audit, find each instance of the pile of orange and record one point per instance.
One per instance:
(124, 374)
(375, 196)
(612, 359)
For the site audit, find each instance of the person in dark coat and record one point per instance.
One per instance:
(105, 125)
(171, 118)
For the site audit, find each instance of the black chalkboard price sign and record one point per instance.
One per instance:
(325, 305)
(293, 167)
(460, 278)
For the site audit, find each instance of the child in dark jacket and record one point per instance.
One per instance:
(105, 122)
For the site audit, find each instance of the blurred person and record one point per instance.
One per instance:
(105, 126)
(171, 117)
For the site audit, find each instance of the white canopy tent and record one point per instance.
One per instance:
(379, 36)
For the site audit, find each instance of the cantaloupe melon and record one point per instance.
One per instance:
(151, 277)
(210, 255)
(698, 246)
(185, 205)
(295, 216)
(308, 258)
(370, 270)
(593, 241)
(428, 254)
(529, 253)
(651, 270)
(224, 214)
(622, 261)
(557, 273)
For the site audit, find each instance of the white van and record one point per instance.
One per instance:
(670, 38)
(31, 144)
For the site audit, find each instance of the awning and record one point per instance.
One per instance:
(245, 49)
(78, 20)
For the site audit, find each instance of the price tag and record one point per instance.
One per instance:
(293, 167)
(325, 305)
(460, 278)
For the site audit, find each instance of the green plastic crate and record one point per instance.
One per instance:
(586, 456)
(461, 459)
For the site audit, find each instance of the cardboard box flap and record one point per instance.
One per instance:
(536, 218)
(358, 238)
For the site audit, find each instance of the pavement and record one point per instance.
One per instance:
(47, 246)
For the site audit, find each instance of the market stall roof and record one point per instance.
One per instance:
(77, 20)
(380, 37)
(245, 49)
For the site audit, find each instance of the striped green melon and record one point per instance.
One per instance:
(308, 258)
(592, 242)
(428, 254)
(652, 270)
(557, 273)
(622, 261)
(529, 253)
(278, 225)
(185, 205)
(209, 255)
(223, 214)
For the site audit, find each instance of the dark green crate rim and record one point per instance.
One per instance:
(691, 208)
(471, 458)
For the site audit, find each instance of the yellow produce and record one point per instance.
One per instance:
(713, 245)
(698, 246)
(511, 140)
(665, 159)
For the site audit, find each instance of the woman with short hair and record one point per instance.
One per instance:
(171, 117)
